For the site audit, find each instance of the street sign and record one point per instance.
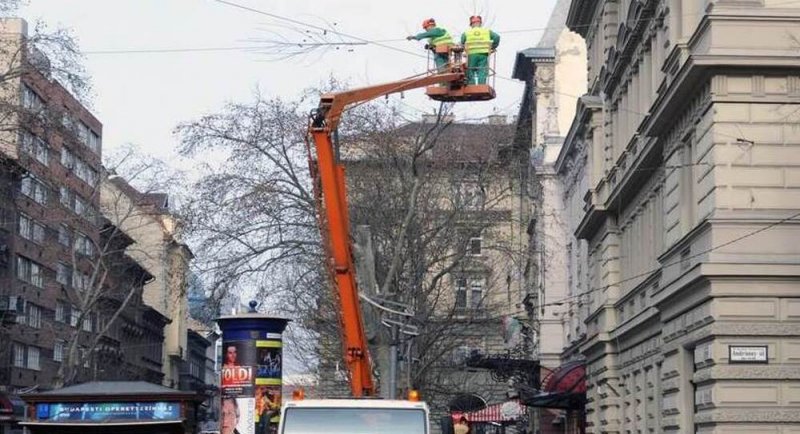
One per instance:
(748, 354)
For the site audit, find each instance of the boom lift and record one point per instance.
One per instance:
(328, 175)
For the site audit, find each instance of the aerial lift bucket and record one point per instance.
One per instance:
(460, 91)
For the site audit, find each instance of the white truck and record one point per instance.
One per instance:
(354, 416)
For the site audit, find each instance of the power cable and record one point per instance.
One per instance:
(569, 299)
(363, 41)
(314, 26)
(213, 49)
(660, 268)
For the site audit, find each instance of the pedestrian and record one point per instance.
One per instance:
(478, 42)
(439, 41)
(461, 427)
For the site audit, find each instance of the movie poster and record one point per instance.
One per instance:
(238, 416)
(237, 374)
(268, 407)
(270, 362)
(250, 383)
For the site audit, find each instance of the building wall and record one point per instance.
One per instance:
(689, 214)
(34, 106)
(557, 80)
(159, 249)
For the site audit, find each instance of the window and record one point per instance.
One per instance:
(30, 229)
(34, 189)
(33, 358)
(19, 355)
(94, 142)
(80, 281)
(34, 316)
(65, 235)
(74, 313)
(87, 323)
(85, 356)
(84, 244)
(85, 172)
(88, 137)
(25, 229)
(80, 206)
(37, 275)
(31, 100)
(67, 158)
(470, 195)
(58, 351)
(474, 246)
(475, 293)
(65, 196)
(61, 312)
(461, 293)
(469, 292)
(35, 147)
(66, 120)
(64, 274)
(30, 271)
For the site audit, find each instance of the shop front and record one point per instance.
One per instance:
(120, 407)
(12, 412)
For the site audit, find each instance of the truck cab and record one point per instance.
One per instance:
(354, 416)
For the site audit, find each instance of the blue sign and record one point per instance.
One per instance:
(104, 411)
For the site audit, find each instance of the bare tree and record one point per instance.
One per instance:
(423, 194)
(105, 277)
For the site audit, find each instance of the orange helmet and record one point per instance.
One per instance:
(475, 19)
(428, 22)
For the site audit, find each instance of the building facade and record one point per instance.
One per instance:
(680, 176)
(554, 73)
(67, 294)
(145, 217)
(465, 283)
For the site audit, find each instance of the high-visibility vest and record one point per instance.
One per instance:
(479, 41)
(445, 39)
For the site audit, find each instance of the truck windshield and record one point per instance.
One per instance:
(354, 421)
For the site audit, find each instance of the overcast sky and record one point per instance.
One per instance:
(140, 97)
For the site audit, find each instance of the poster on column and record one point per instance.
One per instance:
(239, 360)
(270, 362)
(268, 383)
(268, 407)
(238, 416)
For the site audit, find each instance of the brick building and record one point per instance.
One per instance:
(56, 245)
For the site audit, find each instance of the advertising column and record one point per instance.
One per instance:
(251, 380)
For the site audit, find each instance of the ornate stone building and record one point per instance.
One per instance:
(146, 218)
(681, 177)
(554, 73)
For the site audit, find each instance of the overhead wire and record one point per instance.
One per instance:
(362, 41)
(568, 299)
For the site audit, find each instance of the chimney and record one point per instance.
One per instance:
(496, 119)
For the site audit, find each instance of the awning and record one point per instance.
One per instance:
(508, 411)
(103, 423)
(567, 378)
(564, 387)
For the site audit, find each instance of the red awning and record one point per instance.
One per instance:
(567, 378)
(501, 412)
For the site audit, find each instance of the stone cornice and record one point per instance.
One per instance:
(586, 106)
(581, 15)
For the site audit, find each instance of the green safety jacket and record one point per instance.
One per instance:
(479, 40)
(436, 36)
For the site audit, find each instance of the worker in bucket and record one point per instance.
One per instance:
(439, 41)
(478, 42)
